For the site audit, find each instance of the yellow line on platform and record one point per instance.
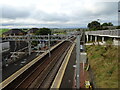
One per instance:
(20, 71)
(58, 79)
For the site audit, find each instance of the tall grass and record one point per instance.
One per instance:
(104, 63)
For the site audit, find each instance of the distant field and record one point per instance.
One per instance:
(3, 30)
(104, 64)
(59, 33)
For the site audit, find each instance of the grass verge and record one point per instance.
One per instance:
(104, 64)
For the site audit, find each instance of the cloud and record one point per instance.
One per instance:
(98, 9)
(13, 12)
(58, 12)
(49, 17)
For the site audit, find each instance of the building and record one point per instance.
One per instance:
(33, 30)
(14, 32)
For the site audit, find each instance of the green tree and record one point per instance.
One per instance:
(110, 24)
(104, 24)
(107, 24)
(33, 30)
(94, 25)
(43, 31)
(118, 27)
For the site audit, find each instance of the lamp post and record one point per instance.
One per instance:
(49, 44)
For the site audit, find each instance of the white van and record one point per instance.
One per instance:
(82, 48)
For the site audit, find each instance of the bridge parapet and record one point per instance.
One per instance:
(113, 33)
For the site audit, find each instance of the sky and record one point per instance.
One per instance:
(57, 13)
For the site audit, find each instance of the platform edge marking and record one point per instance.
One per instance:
(19, 72)
(58, 79)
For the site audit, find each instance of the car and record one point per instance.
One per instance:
(82, 48)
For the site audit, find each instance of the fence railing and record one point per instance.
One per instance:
(115, 32)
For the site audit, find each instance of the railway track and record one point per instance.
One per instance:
(42, 73)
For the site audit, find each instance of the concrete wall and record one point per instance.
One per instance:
(103, 36)
(95, 38)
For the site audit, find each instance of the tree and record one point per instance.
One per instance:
(104, 24)
(94, 25)
(33, 30)
(118, 27)
(107, 24)
(43, 31)
(110, 24)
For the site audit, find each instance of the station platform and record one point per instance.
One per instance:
(65, 75)
(13, 67)
(68, 78)
(9, 74)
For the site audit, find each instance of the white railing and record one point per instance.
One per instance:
(115, 32)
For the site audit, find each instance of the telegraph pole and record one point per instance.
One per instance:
(78, 62)
(29, 43)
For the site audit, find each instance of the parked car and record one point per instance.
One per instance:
(82, 48)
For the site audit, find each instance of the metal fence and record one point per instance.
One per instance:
(36, 38)
(115, 32)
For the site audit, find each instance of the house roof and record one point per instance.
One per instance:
(14, 31)
(33, 30)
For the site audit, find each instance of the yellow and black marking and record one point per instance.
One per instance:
(58, 79)
(23, 69)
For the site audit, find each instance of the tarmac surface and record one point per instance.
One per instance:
(7, 71)
(68, 78)
(12, 68)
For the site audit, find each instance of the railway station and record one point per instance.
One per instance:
(59, 44)
(57, 61)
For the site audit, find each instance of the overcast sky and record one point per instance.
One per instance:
(58, 13)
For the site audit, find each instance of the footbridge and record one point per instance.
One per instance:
(103, 35)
